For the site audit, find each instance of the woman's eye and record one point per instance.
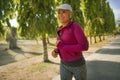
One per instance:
(64, 11)
(61, 12)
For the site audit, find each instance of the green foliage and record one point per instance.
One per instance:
(98, 16)
(37, 16)
(1, 30)
(7, 12)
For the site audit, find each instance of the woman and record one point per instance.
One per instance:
(71, 41)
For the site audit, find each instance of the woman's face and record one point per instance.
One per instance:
(64, 16)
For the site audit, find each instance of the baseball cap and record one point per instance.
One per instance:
(65, 6)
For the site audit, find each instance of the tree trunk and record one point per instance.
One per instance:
(100, 38)
(90, 39)
(11, 39)
(45, 48)
(13, 43)
(103, 37)
(95, 41)
(48, 41)
(37, 40)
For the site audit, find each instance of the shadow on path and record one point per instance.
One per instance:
(112, 48)
(20, 51)
(103, 70)
(108, 51)
(51, 62)
(8, 56)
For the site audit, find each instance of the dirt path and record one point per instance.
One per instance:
(26, 63)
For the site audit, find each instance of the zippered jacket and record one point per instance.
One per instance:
(72, 42)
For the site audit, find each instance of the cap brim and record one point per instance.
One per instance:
(58, 8)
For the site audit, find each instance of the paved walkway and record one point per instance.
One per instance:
(104, 64)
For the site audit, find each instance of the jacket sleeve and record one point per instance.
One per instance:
(57, 39)
(82, 43)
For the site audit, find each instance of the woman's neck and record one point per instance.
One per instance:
(64, 24)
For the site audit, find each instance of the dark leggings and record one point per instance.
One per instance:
(67, 72)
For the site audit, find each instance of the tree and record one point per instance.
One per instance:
(2, 30)
(109, 20)
(39, 16)
(96, 21)
(7, 12)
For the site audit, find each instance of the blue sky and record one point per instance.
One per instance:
(115, 5)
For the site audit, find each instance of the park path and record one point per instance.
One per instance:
(104, 64)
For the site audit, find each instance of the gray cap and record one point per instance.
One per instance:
(65, 7)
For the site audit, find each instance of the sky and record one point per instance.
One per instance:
(115, 5)
(14, 22)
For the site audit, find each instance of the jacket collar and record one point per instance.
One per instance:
(68, 25)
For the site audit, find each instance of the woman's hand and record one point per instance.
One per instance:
(54, 53)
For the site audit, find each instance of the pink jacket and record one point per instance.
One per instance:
(72, 42)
